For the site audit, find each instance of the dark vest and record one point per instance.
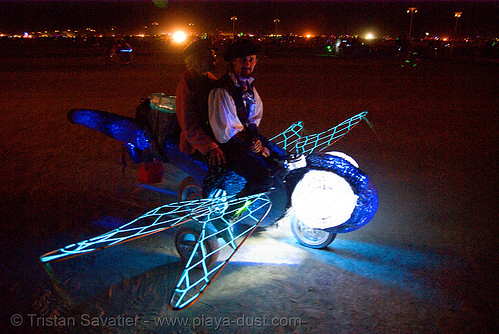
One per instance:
(237, 95)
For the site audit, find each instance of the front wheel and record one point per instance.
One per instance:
(310, 237)
(186, 238)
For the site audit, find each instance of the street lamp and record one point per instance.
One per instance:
(276, 21)
(457, 15)
(233, 19)
(411, 10)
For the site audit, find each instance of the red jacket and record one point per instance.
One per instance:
(191, 106)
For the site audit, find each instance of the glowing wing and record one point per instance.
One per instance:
(154, 221)
(292, 141)
(233, 219)
(234, 225)
(288, 137)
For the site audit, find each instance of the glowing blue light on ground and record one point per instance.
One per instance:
(403, 269)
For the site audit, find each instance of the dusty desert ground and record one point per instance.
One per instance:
(426, 263)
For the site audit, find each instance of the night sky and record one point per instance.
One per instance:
(383, 18)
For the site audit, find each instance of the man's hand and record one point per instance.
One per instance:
(259, 148)
(216, 157)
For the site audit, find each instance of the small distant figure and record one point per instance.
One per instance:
(120, 49)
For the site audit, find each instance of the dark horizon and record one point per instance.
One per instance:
(382, 18)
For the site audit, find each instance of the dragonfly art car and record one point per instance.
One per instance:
(324, 193)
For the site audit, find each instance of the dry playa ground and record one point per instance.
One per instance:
(426, 263)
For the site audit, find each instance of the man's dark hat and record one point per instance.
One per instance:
(241, 48)
(199, 45)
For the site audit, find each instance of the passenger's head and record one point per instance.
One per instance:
(200, 56)
(243, 55)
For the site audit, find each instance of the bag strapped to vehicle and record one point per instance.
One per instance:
(157, 114)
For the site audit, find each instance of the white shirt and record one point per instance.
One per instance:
(223, 114)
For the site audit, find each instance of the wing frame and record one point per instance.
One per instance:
(292, 140)
(229, 209)
(262, 206)
(176, 214)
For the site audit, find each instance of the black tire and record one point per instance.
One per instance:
(186, 237)
(189, 190)
(310, 237)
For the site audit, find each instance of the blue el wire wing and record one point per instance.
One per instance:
(291, 139)
(233, 219)
(233, 225)
(154, 221)
(288, 137)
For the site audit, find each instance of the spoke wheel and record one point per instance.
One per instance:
(310, 237)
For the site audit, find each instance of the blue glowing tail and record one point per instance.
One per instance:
(115, 126)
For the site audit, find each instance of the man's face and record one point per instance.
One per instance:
(243, 67)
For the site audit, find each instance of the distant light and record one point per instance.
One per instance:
(179, 36)
(369, 36)
(308, 35)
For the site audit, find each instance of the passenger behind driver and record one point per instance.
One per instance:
(191, 103)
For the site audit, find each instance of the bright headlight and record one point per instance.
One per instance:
(323, 199)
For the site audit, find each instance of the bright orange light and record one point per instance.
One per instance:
(179, 36)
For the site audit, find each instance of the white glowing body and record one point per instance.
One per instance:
(323, 199)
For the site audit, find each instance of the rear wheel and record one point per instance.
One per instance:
(186, 237)
(189, 190)
(310, 237)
